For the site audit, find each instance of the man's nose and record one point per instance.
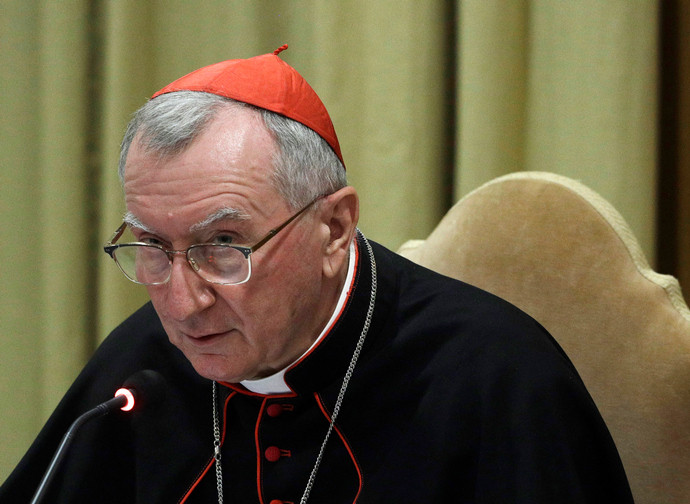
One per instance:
(188, 293)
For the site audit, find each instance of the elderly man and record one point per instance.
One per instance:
(303, 362)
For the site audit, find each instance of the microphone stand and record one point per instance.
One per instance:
(100, 410)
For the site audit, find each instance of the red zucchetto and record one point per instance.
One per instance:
(267, 82)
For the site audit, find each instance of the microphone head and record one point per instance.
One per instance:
(147, 389)
(129, 397)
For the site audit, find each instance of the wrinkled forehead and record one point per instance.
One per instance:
(172, 128)
(234, 136)
(226, 171)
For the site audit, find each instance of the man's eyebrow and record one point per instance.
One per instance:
(134, 222)
(220, 214)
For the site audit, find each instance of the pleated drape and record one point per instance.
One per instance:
(564, 87)
(430, 99)
(47, 229)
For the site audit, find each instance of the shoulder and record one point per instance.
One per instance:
(138, 343)
(455, 324)
(433, 299)
(137, 334)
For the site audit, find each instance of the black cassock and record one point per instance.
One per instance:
(457, 397)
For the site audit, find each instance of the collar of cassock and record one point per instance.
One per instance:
(276, 384)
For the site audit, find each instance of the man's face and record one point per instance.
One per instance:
(230, 332)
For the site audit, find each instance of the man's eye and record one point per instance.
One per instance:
(223, 239)
(151, 241)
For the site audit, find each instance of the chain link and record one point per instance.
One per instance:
(216, 446)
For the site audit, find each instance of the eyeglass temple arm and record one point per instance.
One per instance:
(116, 235)
(275, 231)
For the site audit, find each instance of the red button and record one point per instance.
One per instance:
(274, 410)
(276, 501)
(272, 453)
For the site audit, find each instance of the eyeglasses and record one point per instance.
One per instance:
(218, 263)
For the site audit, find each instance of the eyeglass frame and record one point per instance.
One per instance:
(110, 247)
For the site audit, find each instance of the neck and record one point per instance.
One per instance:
(338, 296)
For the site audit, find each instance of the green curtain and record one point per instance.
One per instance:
(46, 232)
(565, 87)
(430, 99)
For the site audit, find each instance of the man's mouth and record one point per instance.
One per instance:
(204, 339)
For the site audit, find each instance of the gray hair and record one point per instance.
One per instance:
(304, 166)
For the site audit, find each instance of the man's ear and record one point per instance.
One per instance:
(340, 215)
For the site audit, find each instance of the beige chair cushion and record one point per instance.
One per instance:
(560, 252)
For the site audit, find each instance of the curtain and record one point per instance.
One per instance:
(565, 87)
(47, 228)
(673, 218)
(430, 99)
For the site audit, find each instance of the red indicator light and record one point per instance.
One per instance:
(130, 398)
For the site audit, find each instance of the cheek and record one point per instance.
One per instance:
(285, 292)
(159, 304)
(156, 295)
(271, 299)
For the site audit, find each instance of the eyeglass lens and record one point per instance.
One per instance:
(151, 265)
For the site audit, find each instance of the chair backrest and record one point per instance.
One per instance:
(564, 255)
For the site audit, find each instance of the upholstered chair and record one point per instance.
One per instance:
(556, 249)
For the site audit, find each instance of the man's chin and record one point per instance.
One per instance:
(217, 368)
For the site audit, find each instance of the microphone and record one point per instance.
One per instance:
(142, 388)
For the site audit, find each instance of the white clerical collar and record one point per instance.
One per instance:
(275, 384)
